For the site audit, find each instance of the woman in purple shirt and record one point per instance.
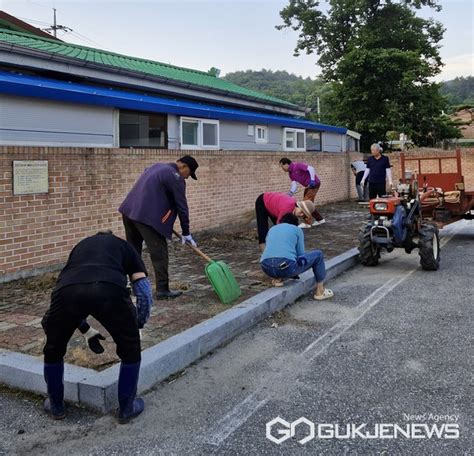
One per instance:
(304, 174)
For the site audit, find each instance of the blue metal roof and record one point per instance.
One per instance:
(34, 86)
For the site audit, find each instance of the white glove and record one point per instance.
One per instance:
(362, 182)
(189, 239)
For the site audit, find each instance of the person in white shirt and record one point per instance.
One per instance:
(358, 168)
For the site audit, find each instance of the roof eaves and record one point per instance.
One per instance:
(82, 62)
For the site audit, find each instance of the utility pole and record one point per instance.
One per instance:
(55, 27)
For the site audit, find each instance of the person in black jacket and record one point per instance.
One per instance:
(94, 282)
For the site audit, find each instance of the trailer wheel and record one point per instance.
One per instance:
(429, 248)
(369, 253)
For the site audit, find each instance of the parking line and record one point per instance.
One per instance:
(230, 422)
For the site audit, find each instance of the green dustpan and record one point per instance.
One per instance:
(220, 276)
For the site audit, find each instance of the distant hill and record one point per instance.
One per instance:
(459, 91)
(304, 91)
(289, 87)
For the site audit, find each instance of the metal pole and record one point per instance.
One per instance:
(54, 26)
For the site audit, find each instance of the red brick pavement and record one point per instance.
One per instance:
(23, 302)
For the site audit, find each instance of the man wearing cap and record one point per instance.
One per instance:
(305, 175)
(150, 210)
(273, 206)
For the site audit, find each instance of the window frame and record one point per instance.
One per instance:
(264, 140)
(295, 131)
(141, 113)
(200, 133)
(320, 133)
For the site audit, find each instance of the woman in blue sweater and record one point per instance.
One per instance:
(284, 256)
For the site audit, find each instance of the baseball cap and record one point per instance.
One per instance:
(192, 164)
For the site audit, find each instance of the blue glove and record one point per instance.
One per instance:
(312, 184)
(142, 290)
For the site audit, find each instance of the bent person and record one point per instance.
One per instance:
(273, 205)
(284, 256)
(305, 175)
(150, 210)
(94, 282)
(358, 168)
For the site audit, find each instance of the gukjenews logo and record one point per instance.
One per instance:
(279, 430)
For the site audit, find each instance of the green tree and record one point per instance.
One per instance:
(380, 58)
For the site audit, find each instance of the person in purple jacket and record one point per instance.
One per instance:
(305, 175)
(150, 210)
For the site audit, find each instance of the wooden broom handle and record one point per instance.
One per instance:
(208, 259)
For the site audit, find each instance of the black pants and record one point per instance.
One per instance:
(136, 233)
(262, 219)
(109, 304)
(376, 189)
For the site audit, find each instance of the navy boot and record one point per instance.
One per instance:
(130, 405)
(54, 403)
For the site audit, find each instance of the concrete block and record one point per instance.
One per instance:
(98, 390)
(25, 372)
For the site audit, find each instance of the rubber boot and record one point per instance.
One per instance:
(54, 403)
(130, 405)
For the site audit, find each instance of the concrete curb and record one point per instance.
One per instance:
(98, 390)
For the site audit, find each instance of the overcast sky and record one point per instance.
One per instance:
(228, 34)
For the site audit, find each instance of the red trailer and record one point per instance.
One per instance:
(445, 198)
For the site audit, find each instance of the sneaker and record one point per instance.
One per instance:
(316, 223)
(277, 282)
(304, 225)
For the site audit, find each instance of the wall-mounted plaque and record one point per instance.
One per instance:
(30, 176)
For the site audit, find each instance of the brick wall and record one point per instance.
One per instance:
(86, 186)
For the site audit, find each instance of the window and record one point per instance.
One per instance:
(313, 140)
(140, 129)
(294, 139)
(261, 134)
(199, 133)
(352, 144)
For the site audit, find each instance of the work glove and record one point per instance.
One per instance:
(142, 290)
(189, 239)
(93, 338)
(312, 184)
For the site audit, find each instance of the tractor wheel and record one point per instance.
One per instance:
(429, 248)
(369, 253)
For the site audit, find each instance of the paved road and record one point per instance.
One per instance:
(393, 347)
